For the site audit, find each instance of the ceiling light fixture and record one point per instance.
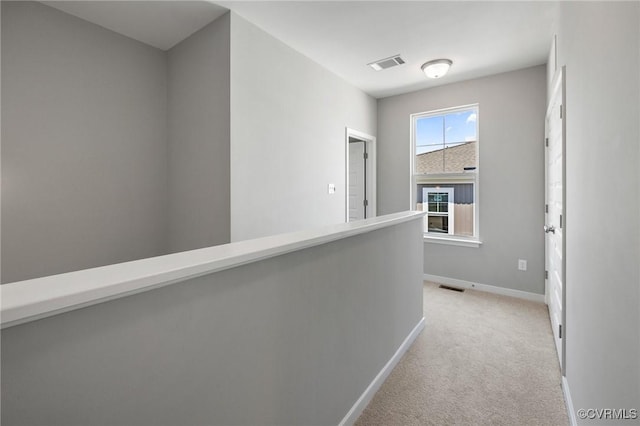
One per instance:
(436, 68)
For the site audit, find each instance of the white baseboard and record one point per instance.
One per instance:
(371, 390)
(484, 287)
(568, 402)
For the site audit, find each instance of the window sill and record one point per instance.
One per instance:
(453, 241)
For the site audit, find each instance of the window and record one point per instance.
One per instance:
(445, 172)
(439, 207)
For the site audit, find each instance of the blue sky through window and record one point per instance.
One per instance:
(436, 132)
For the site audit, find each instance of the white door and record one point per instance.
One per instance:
(554, 216)
(357, 180)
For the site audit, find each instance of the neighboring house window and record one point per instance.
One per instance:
(439, 208)
(445, 171)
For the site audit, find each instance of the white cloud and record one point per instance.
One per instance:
(449, 128)
(472, 118)
(470, 138)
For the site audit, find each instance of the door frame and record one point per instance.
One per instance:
(559, 79)
(371, 172)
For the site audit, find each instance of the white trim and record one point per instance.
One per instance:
(450, 207)
(468, 177)
(547, 296)
(445, 177)
(373, 387)
(452, 241)
(568, 402)
(534, 297)
(29, 300)
(557, 88)
(371, 178)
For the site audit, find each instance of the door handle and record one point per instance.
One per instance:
(551, 229)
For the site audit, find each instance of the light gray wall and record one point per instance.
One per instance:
(0, 143)
(83, 144)
(292, 340)
(198, 94)
(603, 245)
(511, 188)
(288, 119)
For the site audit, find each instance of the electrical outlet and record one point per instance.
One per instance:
(522, 265)
(331, 188)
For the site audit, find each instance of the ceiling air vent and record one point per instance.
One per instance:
(385, 63)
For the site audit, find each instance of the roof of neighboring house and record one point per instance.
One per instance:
(448, 160)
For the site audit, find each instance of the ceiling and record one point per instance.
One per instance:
(480, 37)
(161, 24)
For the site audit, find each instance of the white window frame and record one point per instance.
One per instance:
(445, 179)
(450, 209)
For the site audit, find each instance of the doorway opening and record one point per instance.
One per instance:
(360, 176)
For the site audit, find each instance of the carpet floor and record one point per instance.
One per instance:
(482, 359)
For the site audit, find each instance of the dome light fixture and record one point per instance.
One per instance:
(436, 68)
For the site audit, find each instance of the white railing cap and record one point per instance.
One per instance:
(29, 300)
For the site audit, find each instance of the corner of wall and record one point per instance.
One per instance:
(287, 135)
(511, 104)
(199, 138)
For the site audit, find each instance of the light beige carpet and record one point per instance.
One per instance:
(482, 359)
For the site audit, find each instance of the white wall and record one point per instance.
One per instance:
(126, 152)
(0, 143)
(198, 95)
(83, 144)
(603, 245)
(288, 119)
(290, 340)
(113, 150)
(511, 188)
